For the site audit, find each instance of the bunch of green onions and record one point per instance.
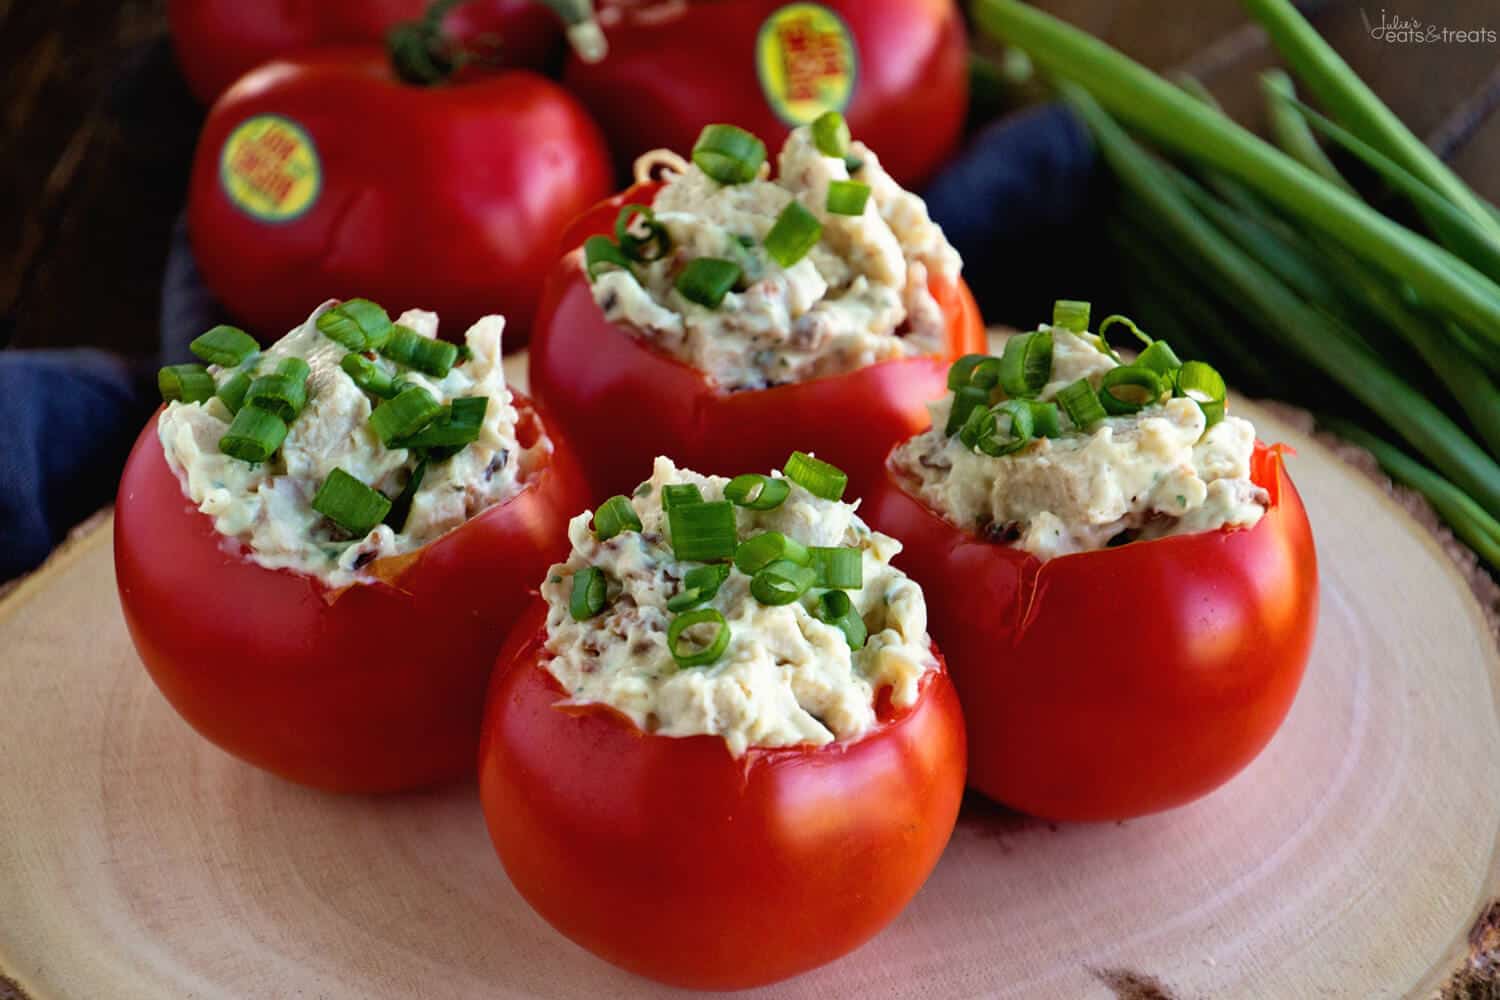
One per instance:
(781, 569)
(1268, 261)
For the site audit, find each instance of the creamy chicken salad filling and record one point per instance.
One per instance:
(822, 270)
(372, 456)
(1104, 452)
(806, 668)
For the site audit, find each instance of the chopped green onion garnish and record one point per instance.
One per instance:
(1160, 358)
(1125, 321)
(349, 503)
(283, 393)
(728, 154)
(782, 582)
(455, 426)
(830, 133)
(590, 591)
(961, 371)
(1000, 430)
(1203, 384)
(702, 654)
(843, 568)
(232, 390)
(1081, 404)
(185, 383)
(1071, 315)
(401, 508)
(1129, 389)
(426, 354)
(677, 494)
(795, 233)
(599, 251)
(965, 401)
(358, 324)
(226, 346)
(754, 554)
(402, 416)
(1026, 365)
(368, 375)
(254, 435)
(653, 246)
(707, 280)
(816, 476)
(1044, 419)
(848, 197)
(702, 532)
(757, 492)
(699, 585)
(614, 516)
(836, 609)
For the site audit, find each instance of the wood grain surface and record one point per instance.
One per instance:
(1351, 860)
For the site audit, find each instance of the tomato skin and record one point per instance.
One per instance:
(632, 401)
(378, 689)
(697, 65)
(1111, 684)
(675, 860)
(459, 214)
(218, 41)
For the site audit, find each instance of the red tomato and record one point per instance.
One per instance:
(632, 402)
(673, 859)
(219, 41)
(1110, 684)
(376, 688)
(898, 69)
(326, 176)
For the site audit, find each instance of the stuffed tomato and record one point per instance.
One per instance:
(1122, 577)
(725, 318)
(321, 547)
(722, 750)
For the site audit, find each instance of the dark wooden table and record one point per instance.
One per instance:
(99, 131)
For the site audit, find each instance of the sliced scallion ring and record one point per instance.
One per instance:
(835, 608)
(283, 393)
(757, 492)
(254, 435)
(1129, 389)
(456, 425)
(703, 532)
(841, 568)
(830, 134)
(795, 233)
(1081, 404)
(429, 355)
(1044, 419)
(402, 416)
(599, 251)
(614, 516)
(781, 582)
(233, 389)
(652, 246)
(590, 593)
(1160, 358)
(677, 494)
(965, 401)
(1128, 323)
(755, 554)
(816, 476)
(349, 503)
(226, 346)
(185, 384)
(1026, 366)
(848, 197)
(1010, 427)
(707, 280)
(368, 375)
(1203, 384)
(699, 585)
(358, 324)
(1071, 314)
(961, 371)
(699, 654)
(728, 154)
(401, 507)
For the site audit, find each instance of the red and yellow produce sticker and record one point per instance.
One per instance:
(807, 62)
(269, 168)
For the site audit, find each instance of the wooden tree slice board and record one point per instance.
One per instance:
(138, 861)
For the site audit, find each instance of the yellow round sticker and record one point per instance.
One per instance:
(269, 169)
(807, 62)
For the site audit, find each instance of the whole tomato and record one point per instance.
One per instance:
(378, 687)
(219, 41)
(632, 401)
(327, 175)
(671, 858)
(1109, 684)
(897, 69)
